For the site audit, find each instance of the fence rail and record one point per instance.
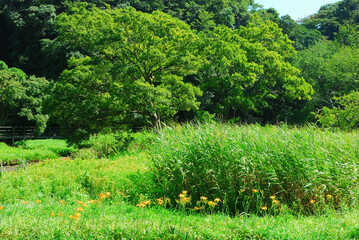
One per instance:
(14, 133)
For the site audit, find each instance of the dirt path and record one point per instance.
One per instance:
(10, 168)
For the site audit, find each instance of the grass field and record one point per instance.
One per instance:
(96, 198)
(34, 150)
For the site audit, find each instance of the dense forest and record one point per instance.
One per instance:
(108, 65)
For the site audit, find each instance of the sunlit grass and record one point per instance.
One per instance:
(68, 179)
(115, 219)
(34, 150)
(306, 168)
(88, 198)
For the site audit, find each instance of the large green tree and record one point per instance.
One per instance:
(331, 16)
(22, 96)
(332, 69)
(27, 30)
(132, 70)
(248, 74)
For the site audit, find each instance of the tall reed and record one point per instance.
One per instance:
(253, 167)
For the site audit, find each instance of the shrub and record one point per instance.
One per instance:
(108, 144)
(251, 167)
(344, 116)
(141, 140)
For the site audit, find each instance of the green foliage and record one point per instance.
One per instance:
(75, 180)
(348, 35)
(246, 165)
(60, 147)
(248, 72)
(108, 144)
(331, 69)
(34, 150)
(114, 219)
(133, 71)
(304, 38)
(141, 141)
(22, 96)
(69, 179)
(24, 24)
(28, 31)
(331, 16)
(345, 115)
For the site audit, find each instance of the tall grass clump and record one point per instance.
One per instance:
(107, 144)
(104, 145)
(254, 168)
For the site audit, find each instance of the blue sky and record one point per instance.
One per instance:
(297, 9)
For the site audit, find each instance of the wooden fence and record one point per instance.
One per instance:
(14, 133)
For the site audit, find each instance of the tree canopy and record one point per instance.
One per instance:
(22, 96)
(248, 72)
(132, 70)
(127, 63)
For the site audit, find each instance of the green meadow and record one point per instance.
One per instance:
(209, 181)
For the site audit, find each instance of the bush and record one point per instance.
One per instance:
(344, 116)
(251, 167)
(109, 144)
(141, 141)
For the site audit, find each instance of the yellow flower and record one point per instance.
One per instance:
(92, 201)
(52, 214)
(184, 192)
(160, 201)
(1, 207)
(79, 209)
(272, 197)
(25, 202)
(82, 203)
(217, 200)
(143, 204)
(38, 201)
(184, 200)
(243, 189)
(204, 198)
(312, 201)
(62, 201)
(329, 196)
(75, 216)
(275, 202)
(211, 204)
(254, 190)
(105, 195)
(182, 195)
(197, 208)
(264, 208)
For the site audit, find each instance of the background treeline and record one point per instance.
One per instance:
(108, 65)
